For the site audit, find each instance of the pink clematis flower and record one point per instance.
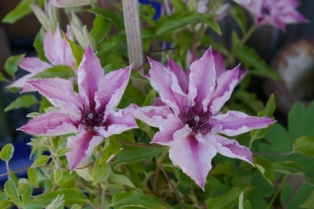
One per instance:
(91, 114)
(276, 13)
(57, 51)
(191, 123)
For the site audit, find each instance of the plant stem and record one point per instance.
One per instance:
(247, 35)
(292, 195)
(282, 183)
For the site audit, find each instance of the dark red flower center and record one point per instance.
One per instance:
(265, 10)
(198, 121)
(91, 119)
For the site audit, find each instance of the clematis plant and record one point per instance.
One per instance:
(90, 115)
(194, 125)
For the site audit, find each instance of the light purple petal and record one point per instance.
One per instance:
(192, 154)
(89, 74)
(229, 147)
(20, 83)
(53, 47)
(82, 146)
(60, 93)
(234, 123)
(219, 64)
(152, 115)
(202, 79)
(167, 86)
(181, 75)
(111, 88)
(68, 56)
(33, 65)
(53, 123)
(225, 85)
(167, 128)
(116, 123)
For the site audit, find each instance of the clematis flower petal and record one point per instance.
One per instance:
(71, 3)
(152, 115)
(111, 89)
(167, 86)
(229, 147)
(82, 146)
(181, 75)
(202, 79)
(33, 64)
(54, 46)
(233, 123)
(192, 154)
(60, 93)
(167, 129)
(89, 74)
(116, 123)
(225, 85)
(53, 123)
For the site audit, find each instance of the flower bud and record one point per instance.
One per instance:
(41, 16)
(71, 3)
(79, 35)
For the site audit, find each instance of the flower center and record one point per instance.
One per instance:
(91, 119)
(265, 10)
(198, 121)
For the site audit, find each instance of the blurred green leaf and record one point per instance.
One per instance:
(2, 77)
(11, 64)
(179, 5)
(265, 167)
(101, 27)
(62, 151)
(26, 193)
(288, 167)
(109, 45)
(59, 71)
(7, 152)
(133, 154)
(268, 111)
(115, 17)
(20, 11)
(101, 171)
(244, 205)
(225, 201)
(77, 51)
(4, 204)
(39, 44)
(71, 196)
(239, 16)
(213, 24)
(22, 101)
(309, 202)
(120, 179)
(11, 191)
(57, 175)
(42, 160)
(150, 97)
(304, 145)
(133, 199)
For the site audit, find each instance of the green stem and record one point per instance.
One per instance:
(247, 35)
(282, 183)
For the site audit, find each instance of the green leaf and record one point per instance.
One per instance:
(304, 145)
(225, 201)
(4, 204)
(71, 196)
(7, 152)
(133, 154)
(135, 199)
(114, 17)
(245, 205)
(11, 191)
(239, 15)
(250, 58)
(62, 151)
(42, 160)
(178, 5)
(211, 22)
(32, 176)
(39, 44)
(101, 27)
(20, 11)
(57, 175)
(77, 51)
(2, 77)
(265, 167)
(288, 167)
(11, 64)
(59, 71)
(308, 204)
(150, 98)
(26, 193)
(23, 101)
(268, 111)
(101, 171)
(111, 149)
(121, 180)
(109, 45)
(176, 21)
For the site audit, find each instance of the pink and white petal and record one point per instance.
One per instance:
(152, 115)
(181, 75)
(192, 154)
(34, 65)
(111, 89)
(60, 93)
(166, 130)
(53, 47)
(224, 88)
(234, 123)
(68, 56)
(229, 147)
(90, 73)
(219, 64)
(20, 83)
(167, 86)
(82, 146)
(53, 123)
(116, 123)
(202, 79)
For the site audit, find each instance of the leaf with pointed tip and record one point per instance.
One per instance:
(11, 64)
(304, 145)
(265, 167)
(42, 160)
(7, 152)
(11, 191)
(20, 11)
